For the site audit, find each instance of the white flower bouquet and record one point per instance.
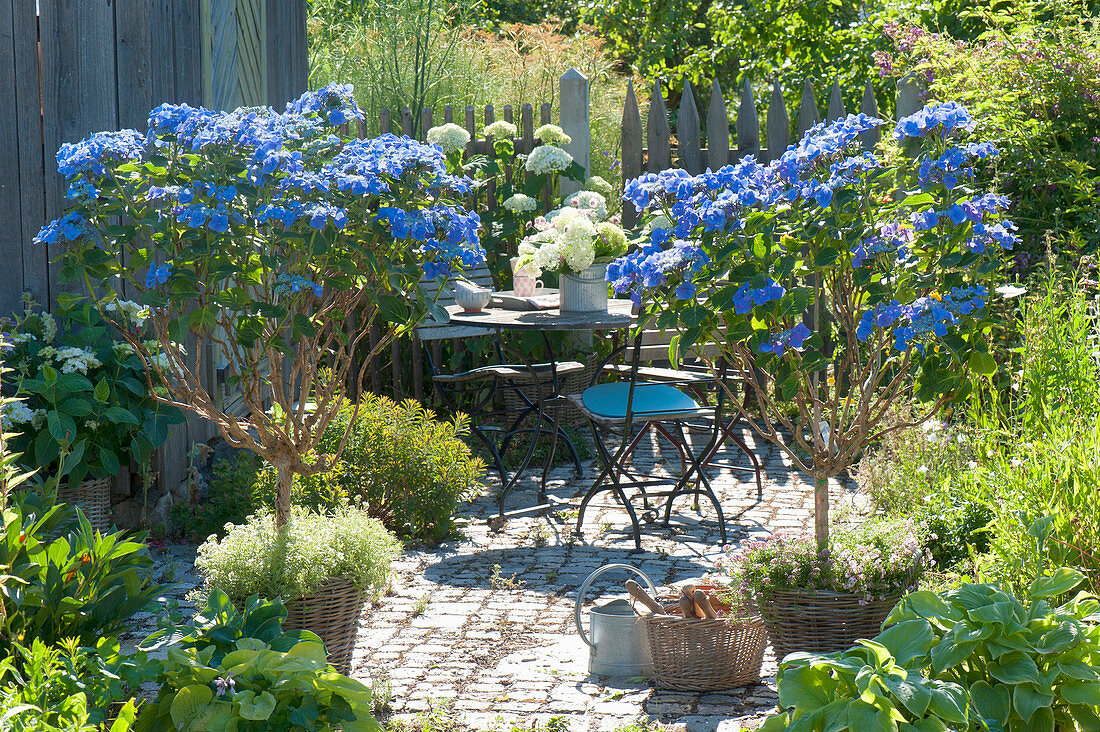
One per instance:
(572, 239)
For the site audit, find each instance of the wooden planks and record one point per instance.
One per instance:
(657, 155)
(287, 51)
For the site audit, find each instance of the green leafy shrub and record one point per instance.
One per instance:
(409, 469)
(239, 670)
(44, 692)
(65, 579)
(256, 558)
(1033, 90)
(229, 499)
(921, 473)
(972, 658)
(82, 391)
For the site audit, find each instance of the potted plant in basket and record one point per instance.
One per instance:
(343, 556)
(275, 248)
(576, 242)
(85, 411)
(835, 282)
(877, 563)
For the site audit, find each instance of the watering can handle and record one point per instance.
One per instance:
(588, 582)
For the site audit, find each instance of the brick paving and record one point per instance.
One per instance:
(484, 624)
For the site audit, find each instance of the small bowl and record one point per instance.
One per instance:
(473, 300)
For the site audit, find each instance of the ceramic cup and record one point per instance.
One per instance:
(523, 285)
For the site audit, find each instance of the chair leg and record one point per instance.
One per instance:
(608, 472)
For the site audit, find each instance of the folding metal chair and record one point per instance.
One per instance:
(627, 410)
(698, 379)
(478, 391)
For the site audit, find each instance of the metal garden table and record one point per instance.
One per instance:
(619, 315)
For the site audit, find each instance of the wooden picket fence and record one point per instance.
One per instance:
(660, 150)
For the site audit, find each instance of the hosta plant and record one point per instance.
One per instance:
(238, 670)
(271, 246)
(972, 658)
(834, 280)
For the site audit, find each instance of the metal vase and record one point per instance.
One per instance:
(585, 291)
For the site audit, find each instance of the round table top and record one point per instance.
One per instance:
(618, 315)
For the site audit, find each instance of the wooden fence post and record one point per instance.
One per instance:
(573, 118)
(687, 132)
(718, 130)
(631, 150)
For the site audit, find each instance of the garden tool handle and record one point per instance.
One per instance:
(638, 593)
(588, 582)
(702, 602)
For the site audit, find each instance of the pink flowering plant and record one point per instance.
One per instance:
(877, 561)
(836, 279)
(271, 245)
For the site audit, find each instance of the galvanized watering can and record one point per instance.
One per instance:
(617, 644)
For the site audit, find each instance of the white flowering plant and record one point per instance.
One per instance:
(82, 406)
(573, 238)
(519, 187)
(255, 558)
(879, 560)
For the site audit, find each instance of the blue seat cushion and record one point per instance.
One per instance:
(609, 400)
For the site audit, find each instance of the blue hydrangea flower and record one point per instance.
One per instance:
(69, 227)
(92, 155)
(158, 275)
(747, 297)
(790, 338)
(892, 239)
(938, 119)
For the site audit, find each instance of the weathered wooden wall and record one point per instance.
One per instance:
(72, 67)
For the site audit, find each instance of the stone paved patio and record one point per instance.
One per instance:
(485, 625)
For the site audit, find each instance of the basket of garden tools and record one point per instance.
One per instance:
(700, 641)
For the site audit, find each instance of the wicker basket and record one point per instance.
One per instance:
(694, 654)
(575, 383)
(822, 622)
(332, 612)
(94, 499)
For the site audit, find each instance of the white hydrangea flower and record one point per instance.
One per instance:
(19, 338)
(548, 256)
(131, 311)
(520, 202)
(592, 203)
(500, 130)
(15, 412)
(613, 237)
(450, 137)
(599, 185)
(546, 159)
(553, 135)
(76, 359)
(123, 350)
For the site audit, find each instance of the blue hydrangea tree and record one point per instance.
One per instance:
(836, 281)
(268, 240)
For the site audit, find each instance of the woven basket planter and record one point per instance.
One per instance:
(822, 622)
(94, 499)
(694, 654)
(332, 612)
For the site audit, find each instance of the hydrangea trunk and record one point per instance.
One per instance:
(821, 512)
(284, 479)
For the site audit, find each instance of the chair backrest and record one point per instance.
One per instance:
(431, 330)
(655, 343)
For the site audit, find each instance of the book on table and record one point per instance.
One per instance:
(543, 299)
